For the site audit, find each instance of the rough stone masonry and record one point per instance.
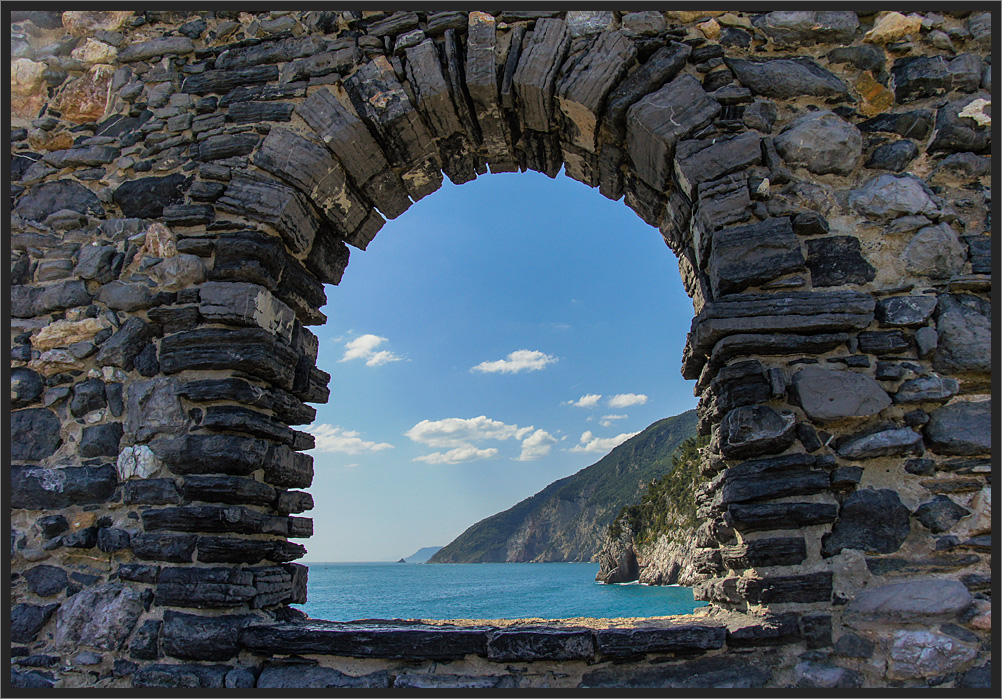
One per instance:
(185, 183)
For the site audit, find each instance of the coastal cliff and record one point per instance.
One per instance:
(652, 541)
(567, 520)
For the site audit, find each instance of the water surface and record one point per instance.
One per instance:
(348, 591)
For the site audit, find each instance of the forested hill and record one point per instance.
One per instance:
(567, 520)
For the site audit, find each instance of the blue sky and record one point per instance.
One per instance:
(497, 336)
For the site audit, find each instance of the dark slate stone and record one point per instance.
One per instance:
(150, 491)
(125, 345)
(141, 573)
(964, 327)
(194, 637)
(121, 296)
(224, 146)
(846, 476)
(865, 57)
(753, 254)
(927, 389)
(347, 137)
(291, 675)
(385, 107)
(755, 430)
(663, 65)
(940, 513)
(217, 453)
(773, 477)
(808, 436)
(113, 391)
(760, 115)
(786, 78)
(81, 539)
(873, 521)
(817, 630)
(540, 644)
(207, 518)
(810, 587)
(268, 200)
(32, 679)
(145, 644)
(25, 387)
(26, 620)
(892, 156)
(659, 120)
(219, 549)
(699, 161)
(979, 677)
(850, 645)
(250, 350)
(52, 525)
(899, 441)
(822, 142)
(172, 548)
(97, 262)
(979, 251)
(44, 488)
(882, 342)
(359, 640)
(837, 260)
(46, 581)
(222, 81)
(29, 301)
(964, 165)
(184, 676)
(286, 406)
(676, 639)
(915, 124)
(34, 434)
(955, 133)
(764, 552)
(718, 672)
(961, 428)
(101, 440)
(49, 197)
(146, 197)
(905, 311)
(227, 489)
(111, 539)
(237, 418)
(916, 77)
(257, 112)
(205, 588)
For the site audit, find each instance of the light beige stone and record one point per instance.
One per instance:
(54, 361)
(893, 26)
(63, 333)
(49, 140)
(178, 272)
(710, 29)
(729, 19)
(93, 51)
(684, 16)
(84, 23)
(160, 241)
(25, 76)
(976, 110)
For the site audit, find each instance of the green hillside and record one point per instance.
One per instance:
(567, 520)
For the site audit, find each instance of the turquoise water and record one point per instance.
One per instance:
(349, 591)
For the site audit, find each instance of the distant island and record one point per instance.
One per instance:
(569, 519)
(421, 555)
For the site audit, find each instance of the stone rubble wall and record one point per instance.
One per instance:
(184, 184)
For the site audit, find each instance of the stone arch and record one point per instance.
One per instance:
(841, 328)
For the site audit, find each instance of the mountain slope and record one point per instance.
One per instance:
(423, 554)
(567, 520)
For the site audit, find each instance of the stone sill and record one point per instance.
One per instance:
(526, 641)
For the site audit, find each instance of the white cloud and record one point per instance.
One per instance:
(519, 360)
(601, 445)
(334, 439)
(625, 400)
(458, 455)
(456, 431)
(588, 401)
(364, 346)
(606, 420)
(537, 445)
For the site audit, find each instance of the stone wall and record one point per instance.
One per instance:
(185, 184)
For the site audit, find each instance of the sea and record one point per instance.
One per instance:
(352, 591)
